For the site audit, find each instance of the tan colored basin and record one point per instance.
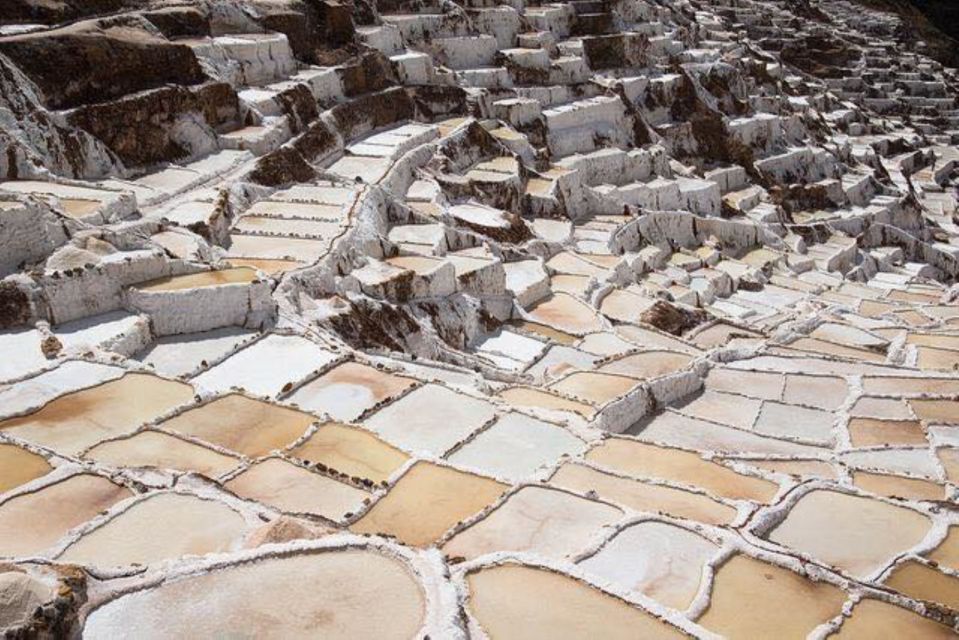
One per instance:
(853, 533)
(344, 595)
(158, 528)
(235, 275)
(19, 466)
(512, 601)
(752, 599)
(428, 500)
(351, 450)
(241, 424)
(33, 522)
(77, 420)
(649, 461)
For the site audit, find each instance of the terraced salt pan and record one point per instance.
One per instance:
(78, 420)
(595, 388)
(826, 393)
(183, 355)
(877, 619)
(787, 420)
(649, 461)
(641, 496)
(530, 397)
(547, 522)
(23, 355)
(161, 527)
(430, 418)
(898, 487)
(254, 600)
(751, 599)
(649, 364)
(936, 411)
(31, 523)
(727, 408)
(531, 444)
(350, 450)
(265, 367)
(19, 466)
(677, 430)
(508, 602)
(545, 331)
(287, 487)
(915, 462)
(567, 314)
(925, 583)
(306, 210)
(799, 468)
(346, 391)
(236, 275)
(271, 267)
(903, 386)
(32, 393)
(756, 384)
(303, 250)
(428, 500)
(869, 432)
(947, 553)
(284, 226)
(559, 361)
(251, 427)
(662, 561)
(161, 451)
(99, 330)
(864, 534)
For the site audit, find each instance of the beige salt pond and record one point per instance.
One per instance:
(158, 528)
(925, 583)
(947, 553)
(19, 466)
(566, 313)
(535, 398)
(641, 496)
(753, 599)
(863, 534)
(509, 601)
(898, 487)
(544, 331)
(595, 388)
(877, 619)
(353, 594)
(241, 424)
(161, 451)
(528, 444)
(33, 522)
(801, 468)
(662, 561)
(236, 275)
(756, 384)
(645, 460)
(868, 432)
(351, 450)
(267, 266)
(77, 420)
(649, 364)
(936, 411)
(79, 207)
(546, 522)
(431, 418)
(348, 390)
(287, 487)
(428, 500)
